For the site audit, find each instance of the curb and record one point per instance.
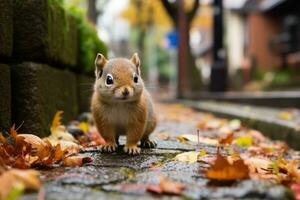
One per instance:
(263, 119)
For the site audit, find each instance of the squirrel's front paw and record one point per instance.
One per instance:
(133, 149)
(109, 147)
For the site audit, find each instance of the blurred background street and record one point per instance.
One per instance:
(225, 76)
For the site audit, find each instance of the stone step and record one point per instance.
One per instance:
(279, 99)
(84, 89)
(38, 91)
(44, 32)
(6, 28)
(5, 97)
(264, 119)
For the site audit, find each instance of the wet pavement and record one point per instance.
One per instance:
(120, 176)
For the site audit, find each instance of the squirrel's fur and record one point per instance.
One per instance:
(122, 105)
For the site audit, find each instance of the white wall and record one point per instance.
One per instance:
(234, 39)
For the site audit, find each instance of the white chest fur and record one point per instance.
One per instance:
(118, 114)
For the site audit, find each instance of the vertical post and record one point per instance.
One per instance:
(182, 48)
(218, 75)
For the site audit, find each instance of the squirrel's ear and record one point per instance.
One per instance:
(136, 61)
(99, 64)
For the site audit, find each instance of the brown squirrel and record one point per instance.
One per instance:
(121, 104)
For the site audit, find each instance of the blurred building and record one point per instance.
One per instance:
(262, 35)
(259, 35)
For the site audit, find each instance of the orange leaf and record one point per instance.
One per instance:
(76, 161)
(20, 179)
(227, 139)
(37, 143)
(223, 170)
(56, 120)
(167, 186)
(13, 132)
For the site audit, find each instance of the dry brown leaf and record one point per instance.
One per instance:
(14, 149)
(34, 140)
(257, 136)
(167, 186)
(258, 165)
(227, 139)
(224, 171)
(76, 160)
(18, 179)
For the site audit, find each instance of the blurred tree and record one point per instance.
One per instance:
(137, 12)
(144, 15)
(92, 12)
(182, 13)
(94, 9)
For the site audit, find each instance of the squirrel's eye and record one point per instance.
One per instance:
(109, 80)
(135, 78)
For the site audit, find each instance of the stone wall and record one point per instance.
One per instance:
(6, 28)
(39, 66)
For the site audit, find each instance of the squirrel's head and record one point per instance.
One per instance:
(118, 79)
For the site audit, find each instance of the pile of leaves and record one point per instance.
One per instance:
(242, 153)
(20, 152)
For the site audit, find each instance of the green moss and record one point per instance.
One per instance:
(89, 43)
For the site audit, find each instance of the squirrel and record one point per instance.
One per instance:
(121, 105)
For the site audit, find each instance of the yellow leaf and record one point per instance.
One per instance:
(243, 141)
(190, 156)
(56, 121)
(285, 115)
(194, 138)
(84, 127)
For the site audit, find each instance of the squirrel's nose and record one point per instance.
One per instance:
(125, 92)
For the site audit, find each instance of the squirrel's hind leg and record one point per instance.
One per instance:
(145, 141)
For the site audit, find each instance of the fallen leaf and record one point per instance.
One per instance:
(224, 171)
(258, 165)
(256, 135)
(58, 131)
(214, 123)
(16, 179)
(95, 136)
(167, 186)
(243, 141)
(60, 135)
(67, 146)
(56, 122)
(285, 115)
(190, 157)
(296, 190)
(235, 124)
(76, 161)
(84, 126)
(207, 159)
(195, 139)
(35, 141)
(227, 139)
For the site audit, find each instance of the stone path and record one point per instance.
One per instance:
(120, 176)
